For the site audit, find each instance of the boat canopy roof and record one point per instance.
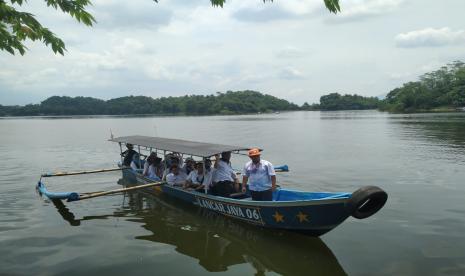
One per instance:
(176, 145)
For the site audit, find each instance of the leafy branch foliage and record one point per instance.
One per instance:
(16, 27)
(239, 102)
(441, 88)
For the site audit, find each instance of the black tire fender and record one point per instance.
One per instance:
(366, 201)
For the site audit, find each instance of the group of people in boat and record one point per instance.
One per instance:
(220, 179)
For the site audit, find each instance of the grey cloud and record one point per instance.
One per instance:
(126, 15)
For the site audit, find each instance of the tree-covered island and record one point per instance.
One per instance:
(239, 102)
(336, 101)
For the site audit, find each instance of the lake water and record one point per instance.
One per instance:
(418, 159)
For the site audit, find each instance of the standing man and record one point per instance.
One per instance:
(261, 177)
(128, 155)
(225, 179)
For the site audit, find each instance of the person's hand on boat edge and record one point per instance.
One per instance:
(273, 183)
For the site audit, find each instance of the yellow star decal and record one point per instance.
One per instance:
(302, 217)
(278, 217)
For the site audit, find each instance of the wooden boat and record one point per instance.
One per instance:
(311, 213)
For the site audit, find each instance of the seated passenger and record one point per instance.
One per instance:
(210, 171)
(189, 165)
(128, 155)
(159, 168)
(170, 159)
(135, 163)
(225, 179)
(149, 161)
(197, 179)
(151, 167)
(176, 177)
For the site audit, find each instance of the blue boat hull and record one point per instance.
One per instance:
(308, 216)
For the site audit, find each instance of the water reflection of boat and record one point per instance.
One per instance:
(219, 243)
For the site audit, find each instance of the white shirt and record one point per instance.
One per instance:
(176, 180)
(134, 166)
(224, 172)
(205, 179)
(259, 175)
(150, 171)
(146, 168)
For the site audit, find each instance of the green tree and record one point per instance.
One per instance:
(16, 26)
(335, 101)
(444, 87)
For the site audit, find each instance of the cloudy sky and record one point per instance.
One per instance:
(293, 49)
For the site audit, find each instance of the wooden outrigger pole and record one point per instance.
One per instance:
(74, 196)
(81, 172)
(121, 190)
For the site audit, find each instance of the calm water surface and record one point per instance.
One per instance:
(418, 159)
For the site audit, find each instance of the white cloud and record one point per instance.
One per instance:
(289, 52)
(430, 37)
(130, 14)
(265, 14)
(157, 71)
(290, 73)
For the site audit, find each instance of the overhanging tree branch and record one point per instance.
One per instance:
(16, 27)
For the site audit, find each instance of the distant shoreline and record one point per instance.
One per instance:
(138, 115)
(90, 116)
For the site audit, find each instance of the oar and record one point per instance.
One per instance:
(122, 190)
(80, 172)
